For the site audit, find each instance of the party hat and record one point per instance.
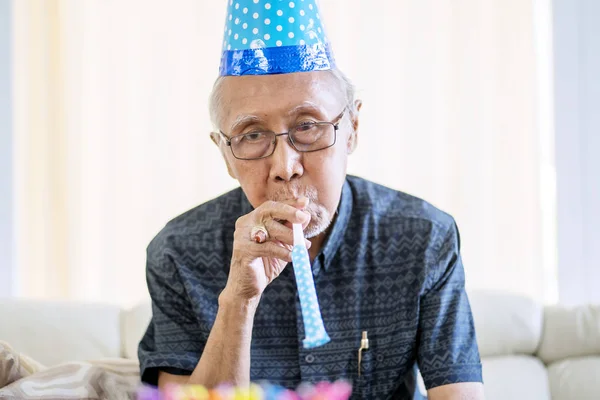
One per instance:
(274, 37)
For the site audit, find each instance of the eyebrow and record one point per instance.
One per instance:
(307, 106)
(243, 120)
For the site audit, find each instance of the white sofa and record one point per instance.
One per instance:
(528, 351)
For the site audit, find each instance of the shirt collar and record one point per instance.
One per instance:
(336, 235)
(246, 206)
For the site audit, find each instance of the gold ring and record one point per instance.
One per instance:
(259, 234)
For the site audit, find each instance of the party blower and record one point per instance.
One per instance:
(314, 330)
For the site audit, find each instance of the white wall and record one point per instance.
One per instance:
(6, 192)
(577, 110)
(450, 114)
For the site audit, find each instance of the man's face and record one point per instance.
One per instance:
(278, 103)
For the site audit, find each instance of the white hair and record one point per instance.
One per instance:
(345, 85)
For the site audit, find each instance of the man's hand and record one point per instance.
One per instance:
(226, 356)
(255, 265)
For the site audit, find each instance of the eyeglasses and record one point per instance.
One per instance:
(305, 138)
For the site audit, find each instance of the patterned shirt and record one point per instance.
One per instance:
(390, 266)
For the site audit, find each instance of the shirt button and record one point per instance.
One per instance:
(310, 358)
(380, 357)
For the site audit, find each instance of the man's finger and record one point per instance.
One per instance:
(270, 249)
(280, 211)
(279, 232)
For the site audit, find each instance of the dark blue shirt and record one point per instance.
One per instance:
(390, 266)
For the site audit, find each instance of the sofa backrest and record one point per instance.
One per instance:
(134, 324)
(506, 324)
(570, 332)
(52, 332)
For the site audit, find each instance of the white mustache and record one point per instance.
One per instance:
(295, 192)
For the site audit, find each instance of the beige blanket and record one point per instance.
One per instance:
(23, 378)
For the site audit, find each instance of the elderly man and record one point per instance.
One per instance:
(385, 264)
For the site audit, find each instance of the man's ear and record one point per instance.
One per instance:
(353, 138)
(218, 140)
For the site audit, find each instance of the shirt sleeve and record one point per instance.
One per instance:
(174, 340)
(447, 350)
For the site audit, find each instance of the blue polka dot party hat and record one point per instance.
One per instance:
(274, 37)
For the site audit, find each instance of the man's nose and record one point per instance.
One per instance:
(286, 162)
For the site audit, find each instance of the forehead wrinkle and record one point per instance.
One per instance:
(314, 100)
(306, 106)
(245, 119)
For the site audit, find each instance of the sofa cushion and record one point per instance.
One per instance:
(570, 332)
(575, 378)
(52, 332)
(506, 323)
(515, 377)
(134, 324)
(114, 379)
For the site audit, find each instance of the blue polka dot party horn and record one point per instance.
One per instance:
(274, 37)
(314, 330)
